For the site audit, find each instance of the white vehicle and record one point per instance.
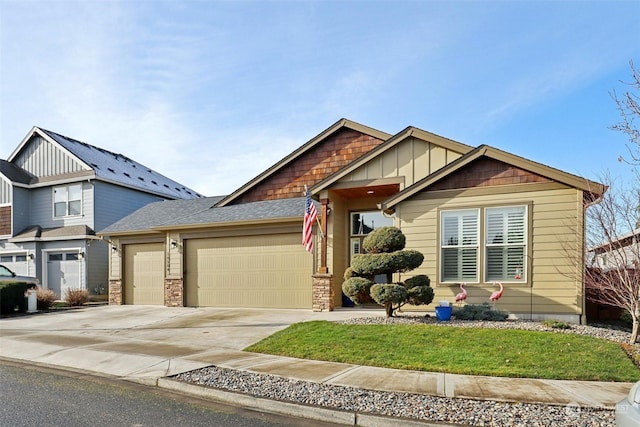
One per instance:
(628, 409)
(7, 275)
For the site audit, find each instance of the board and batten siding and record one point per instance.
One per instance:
(555, 244)
(5, 192)
(42, 159)
(412, 159)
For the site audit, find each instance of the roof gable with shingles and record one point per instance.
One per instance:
(324, 154)
(538, 172)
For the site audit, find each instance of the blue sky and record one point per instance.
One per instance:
(211, 93)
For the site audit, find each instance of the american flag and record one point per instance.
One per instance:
(310, 215)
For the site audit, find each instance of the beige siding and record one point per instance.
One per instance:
(337, 246)
(248, 271)
(115, 261)
(412, 159)
(144, 274)
(555, 242)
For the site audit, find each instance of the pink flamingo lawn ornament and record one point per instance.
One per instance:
(497, 294)
(462, 296)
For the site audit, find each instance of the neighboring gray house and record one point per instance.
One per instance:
(54, 192)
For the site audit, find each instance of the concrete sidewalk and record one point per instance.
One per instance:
(148, 343)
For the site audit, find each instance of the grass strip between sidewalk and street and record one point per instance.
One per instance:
(469, 351)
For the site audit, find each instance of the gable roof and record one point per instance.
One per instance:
(14, 173)
(557, 175)
(340, 124)
(406, 133)
(111, 167)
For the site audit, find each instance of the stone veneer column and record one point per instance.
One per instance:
(115, 292)
(173, 293)
(322, 298)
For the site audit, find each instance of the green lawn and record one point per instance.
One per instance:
(473, 351)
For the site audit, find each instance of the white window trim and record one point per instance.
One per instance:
(477, 245)
(481, 267)
(53, 201)
(505, 243)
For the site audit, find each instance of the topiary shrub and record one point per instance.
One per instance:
(480, 312)
(384, 240)
(389, 294)
(45, 298)
(357, 288)
(76, 297)
(385, 256)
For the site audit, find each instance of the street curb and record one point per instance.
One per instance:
(291, 409)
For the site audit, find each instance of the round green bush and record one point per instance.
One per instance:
(357, 289)
(419, 295)
(384, 240)
(400, 261)
(372, 264)
(419, 280)
(388, 293)
(408, 260)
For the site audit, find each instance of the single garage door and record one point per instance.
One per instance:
(271, 271)
(144, 274)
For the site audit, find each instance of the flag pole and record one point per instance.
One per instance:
(317, 219)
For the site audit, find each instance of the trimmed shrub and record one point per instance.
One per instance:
(480, 312)
(357, 289)
(399, 261)
(408, 260)
(384, 240)
(419, 295)
(372, 264)
(45, 297)
(625, 317)
(389, 294)
(12, 296)
(76, 297)
(419, 280)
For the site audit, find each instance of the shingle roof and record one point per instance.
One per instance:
(14, 172)
(121, 169)
(160, 213)
(177, 213)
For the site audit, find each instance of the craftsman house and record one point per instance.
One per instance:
(54, 192)
(480, 215)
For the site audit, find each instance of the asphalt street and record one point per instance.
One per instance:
(42, 397)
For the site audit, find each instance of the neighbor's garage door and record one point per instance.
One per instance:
(144, 274)
(248, 271)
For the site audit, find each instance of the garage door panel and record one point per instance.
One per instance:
(144, 274)
(249, 271)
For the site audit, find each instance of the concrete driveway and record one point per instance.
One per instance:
(143, 343)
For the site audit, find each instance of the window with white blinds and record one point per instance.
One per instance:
(460, 236)
(506, 243)
(502, 251)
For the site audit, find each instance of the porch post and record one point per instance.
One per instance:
(323, 269)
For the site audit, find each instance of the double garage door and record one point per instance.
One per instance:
(272, 271)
